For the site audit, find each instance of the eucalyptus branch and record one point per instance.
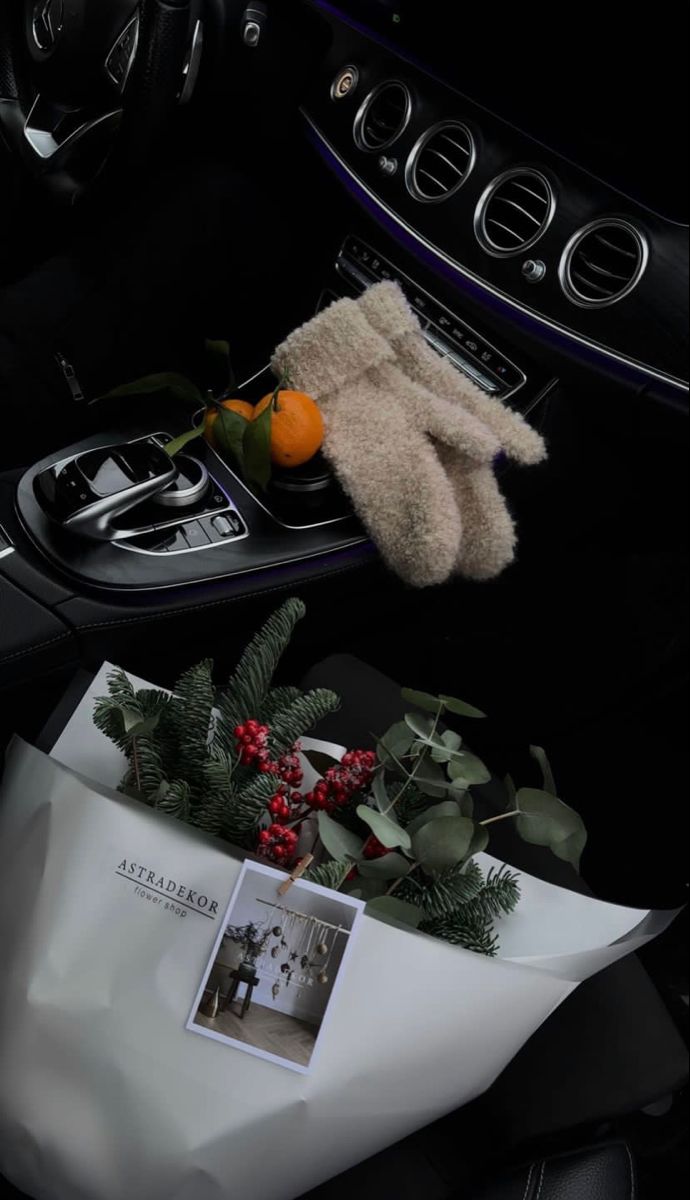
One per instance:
(503, 817)
(412, 775)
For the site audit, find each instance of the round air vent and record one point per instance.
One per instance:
(440, 162)
(602, 263)
(383, 116)
(514, 212)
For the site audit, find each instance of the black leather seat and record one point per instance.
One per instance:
(604, 1172)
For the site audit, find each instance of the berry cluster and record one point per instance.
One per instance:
(252, 747)
(278, 843)
(353, 774)
(252, 744)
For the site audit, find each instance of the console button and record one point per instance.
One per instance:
(173, 543)
(222, 526)
(195, 535)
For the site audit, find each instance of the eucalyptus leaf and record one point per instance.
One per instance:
(340, 843)
(431, 780)
(395, 912)
(365, 889)
(480, 841)
(257, 449)
(448, 808)
(443, 843)
(540, 756)
(390, 866)
(546, 821)
(421, 726)
(447, 747)
(387, 830)
(395, 743)
(468, 768)
(421, 700)
(379, 792)
(136, 725)
(465, 804)
(461, 709)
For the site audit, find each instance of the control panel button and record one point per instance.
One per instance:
(344, 83)
(195, 535)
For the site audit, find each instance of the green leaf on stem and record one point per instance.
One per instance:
(365, 889)
(177, 444)
(546, 821)
(386, 829)
(421, 700)
(480, 841)
(379, 792)
(136, 725)
(390, 866)
(539, 755)
(394, 744)
(469, 769)
(446, 747)
(421, 726)
(228, 434)
(395, 912)
(448, 808)
(443, 843)
(431, 780)
(341, 844)
(461, 709)
(257, 449)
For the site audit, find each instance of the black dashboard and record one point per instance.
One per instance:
(530, 209)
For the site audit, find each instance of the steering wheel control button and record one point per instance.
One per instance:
(119, 61)
(47, 23)
(533, 270)
(345, 83)
(388, 166)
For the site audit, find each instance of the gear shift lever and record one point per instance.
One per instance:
(87, 493)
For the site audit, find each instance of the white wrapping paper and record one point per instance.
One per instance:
(104, 1095)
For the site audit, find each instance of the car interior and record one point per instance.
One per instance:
(174, 171)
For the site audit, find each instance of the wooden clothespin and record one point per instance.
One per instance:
(296, 873)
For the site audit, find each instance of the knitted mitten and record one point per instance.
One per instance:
(383, 433)
(488, 543)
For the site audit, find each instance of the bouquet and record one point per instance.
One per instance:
(138, 869)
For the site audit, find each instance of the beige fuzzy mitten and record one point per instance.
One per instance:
(489, 538)
(383, 434)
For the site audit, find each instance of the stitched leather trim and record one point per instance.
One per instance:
(528, 1185)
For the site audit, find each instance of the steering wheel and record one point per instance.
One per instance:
(83, 82)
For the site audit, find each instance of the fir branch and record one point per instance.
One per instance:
(185, 728)
(443, 896)
(469, 930)
(498, 898)
(300, 717)
(173, 799)
(277, 701)
(246, 692)
(245, 809)
(328, 875)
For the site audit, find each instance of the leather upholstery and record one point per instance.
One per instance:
(599, 1173)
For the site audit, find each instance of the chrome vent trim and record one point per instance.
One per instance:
(383, 117)
(441, 162)
(514, 212)
(597, 270)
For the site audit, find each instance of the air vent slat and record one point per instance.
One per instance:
(444, 155)
(514, 212)
(518, 207)
(602, 263)
(383, 117)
